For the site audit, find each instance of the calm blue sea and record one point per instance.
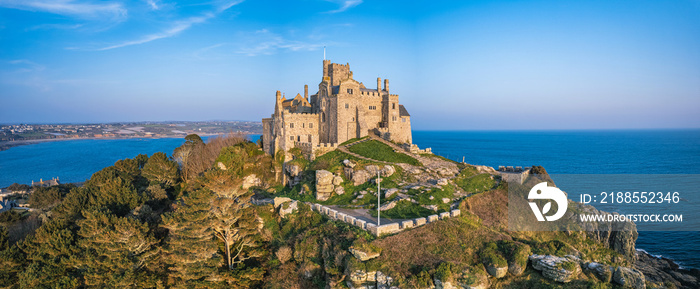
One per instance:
(560, 152)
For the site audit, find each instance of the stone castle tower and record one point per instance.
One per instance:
(342, 109)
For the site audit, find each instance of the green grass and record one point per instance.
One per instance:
(378, 151)
(423, 198)
(352, 140)
(404, 210)
(475, 183)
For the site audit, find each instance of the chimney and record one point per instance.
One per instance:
(386, 85)
(306, 91)
(379, 84)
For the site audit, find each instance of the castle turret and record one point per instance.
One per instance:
(278, 102)
(379, 84)
(386, 85)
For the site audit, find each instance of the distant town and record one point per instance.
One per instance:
(16, 134)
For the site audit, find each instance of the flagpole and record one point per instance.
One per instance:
(379, 192)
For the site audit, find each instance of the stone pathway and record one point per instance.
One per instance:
(363, 214)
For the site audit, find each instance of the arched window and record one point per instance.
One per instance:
(323, 117)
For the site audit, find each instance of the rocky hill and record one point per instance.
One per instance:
(474, 250)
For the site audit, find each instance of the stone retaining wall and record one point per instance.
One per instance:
(390, 228)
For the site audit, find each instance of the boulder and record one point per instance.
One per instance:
(629, 278)
(250, 181)
(446, 200)
(337, 180)
(471, 278)
(439, 284)
(363, 255)
(388, 170)
(555, 268)
(288, 208)
(442, 182)
(324, 185)
(360, 177)
(221, 165)
(349, 163)
(388, 206)
(293, 170)
(601, 271)
(372, 170)
(495, 271)
(390, 192)
(339, 190)
(324, 177)
(278, 201)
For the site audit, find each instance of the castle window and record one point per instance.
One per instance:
(291, 125)
(309, 138)
(323, 117)
(347, 106)
(311, 125)
(393, 118)
(403, 119)
(291, 137)
(298, 138)
(393, 105)
(349, 90)
(302, 125)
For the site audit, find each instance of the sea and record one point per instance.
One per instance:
(559, 152)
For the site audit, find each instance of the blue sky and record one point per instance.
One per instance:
(458, 65)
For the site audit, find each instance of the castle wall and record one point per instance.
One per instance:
(300, 127)
(268, 136)
(403, 133)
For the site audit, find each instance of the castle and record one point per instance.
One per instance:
(342, 109)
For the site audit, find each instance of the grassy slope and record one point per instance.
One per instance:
(483, 221)
(378, 151)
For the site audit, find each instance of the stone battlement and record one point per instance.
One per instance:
(383, 229)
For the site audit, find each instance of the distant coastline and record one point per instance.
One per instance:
(5, 145)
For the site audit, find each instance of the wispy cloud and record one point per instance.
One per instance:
(176, 27)
(344, 5)
(55, 26)
(170, 32)
(24, 66)
(153, 4)
(264, 42)
(111, 10)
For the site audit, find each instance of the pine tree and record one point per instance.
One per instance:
(116, 252)
(160, 169)
(235, 225)
(191, 252)
(50, 252)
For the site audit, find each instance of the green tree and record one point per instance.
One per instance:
(191, 253)
(4, 239)
(116, 252)
(182, 154)
(235, 224)
(160, 169)
(49, 253)
(45, 198)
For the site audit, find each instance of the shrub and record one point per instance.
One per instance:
(284, 254)
(444, 272)
(538, 170)
(491, 256)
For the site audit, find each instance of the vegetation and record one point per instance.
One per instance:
(469, 181)
(378, 151)
(404, 210)
(186, 222)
